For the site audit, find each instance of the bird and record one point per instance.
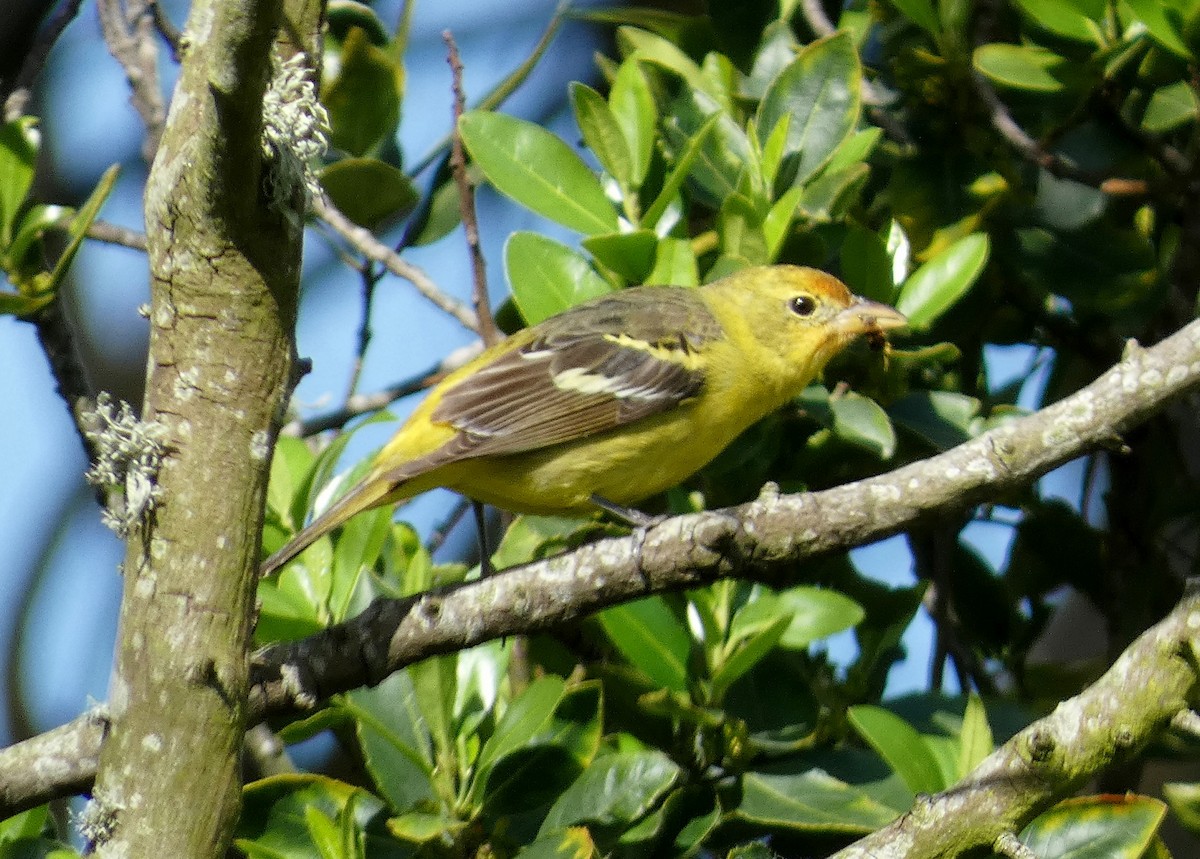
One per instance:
(615, 399)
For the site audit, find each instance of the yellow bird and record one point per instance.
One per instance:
(615, 399)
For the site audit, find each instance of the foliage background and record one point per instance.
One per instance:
(1084, 230)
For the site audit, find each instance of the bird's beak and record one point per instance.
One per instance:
(868, 317)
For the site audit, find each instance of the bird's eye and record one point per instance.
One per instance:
(802, 305)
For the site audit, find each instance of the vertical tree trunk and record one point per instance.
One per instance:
(225, 266)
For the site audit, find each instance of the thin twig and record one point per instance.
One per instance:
(16, 99)
(362, 403)
(1032, 151)
(103, 231)
(441, 531)
(466, 201)
(166, 28)
(363, 241)
(129, 31)
(370, 278)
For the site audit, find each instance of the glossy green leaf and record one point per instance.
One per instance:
(1164, 30)
(1170, 107)
(866, 265)
(1096, 827)
(395, 742)
(821, 91)
(938, 284)
(975, 737)
(573, 843)
(539, 171)
(276, 812)
(19, 144)
(631, 255)
(602, 133)
(418, 827)
(615, 790)
(854, 149)
(1184, 799)
(776, 226)
(1026, 67)
(369, 191)
(749, 651)
(652, 638)
(525, 717)
(944, 419)
(816, 613)
(27, 824)
(547, 277)
(862, 422)
(1062, 18)
(829, 196)
(24, 257)
(357, 549)
(674, 264)
(920, 12)
(898, 743)
(662, 53)
(685, 160)
(813, 801)
(634, 110)
(530, 538)
(363, 98)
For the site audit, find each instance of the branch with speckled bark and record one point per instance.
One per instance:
(763, 540)
(1153, 684)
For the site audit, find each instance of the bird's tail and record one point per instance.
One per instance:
(368, 493)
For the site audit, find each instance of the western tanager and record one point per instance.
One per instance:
(617, 398)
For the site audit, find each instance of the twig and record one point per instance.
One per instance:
(16, 99)
(466, 201)
(166, 28)
(441, 531)
(370, 278)
(103, 231)
(365, 243)
(362, 403)
(66, 365)
(763, 540)
(1032, 151)
(128, 27)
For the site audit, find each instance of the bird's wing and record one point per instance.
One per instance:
(583, 373)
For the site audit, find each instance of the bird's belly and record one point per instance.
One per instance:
(623, 467)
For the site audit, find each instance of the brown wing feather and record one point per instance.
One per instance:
(579, 375)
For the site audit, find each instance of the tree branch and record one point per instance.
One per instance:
(763, 540)
(365, 243)
(1149, 685)
(129, 32)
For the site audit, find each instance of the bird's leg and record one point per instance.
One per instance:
(485, 553)
(628, 515)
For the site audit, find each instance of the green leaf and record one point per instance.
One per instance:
(862, 422)
(276, 814)
(19, 144)
(821, 91)
(418, 827)
(749, 651)
(829, 195)
(369, 191)
(633, 107)
(813, 801)
(395, 742)
(1153, 14)
(651, 48)
(539, 171)
(944, 419)
(363, 99)
(938, 284)
(602, 133)
(27, 824)
(615, 791)
(652, 638)
(530, 538)
(77, 229)
(1170, 107)
(1096, 827)
(866, 265)
(1062, 18)
(777, 224)
(975, 740)
(816, 613)
(547, 277)
(684, 162)
(1027, 67)
(898, 743)
(674, 264)
(524, 719)
(631, 255)
(920, 12)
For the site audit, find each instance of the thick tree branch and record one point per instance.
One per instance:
(1147, 688)
(763, 540)
(129, 32)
